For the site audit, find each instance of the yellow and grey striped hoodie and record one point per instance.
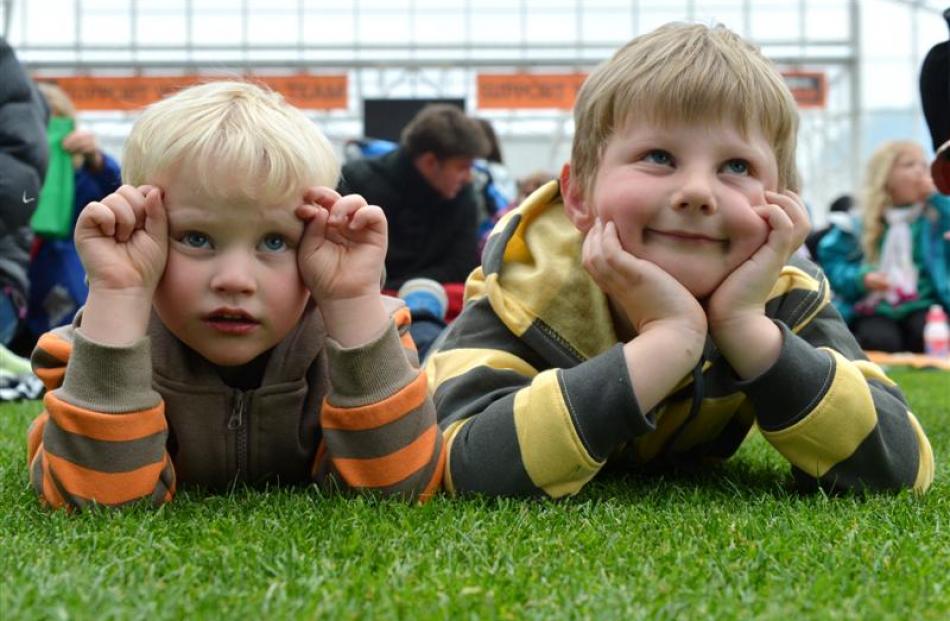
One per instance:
(533, 394)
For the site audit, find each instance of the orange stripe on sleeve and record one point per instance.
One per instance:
(407, 342)
(50, 494)
(108, 488)
(436, 482)
(99, 426)
(392, 468)
(51, 378)
(376, 414)
(55, 346)
(318, 458)
(35, 436)
(402, 317)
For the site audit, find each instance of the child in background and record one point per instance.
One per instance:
(647, 309)
(234, 330)
(57, 281)
(889, 273)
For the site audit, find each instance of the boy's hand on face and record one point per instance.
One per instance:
(648, 295)
(123, 240)
(123, 244)
(341, 257)
(343, 247)
(670, 323)
(736, 309)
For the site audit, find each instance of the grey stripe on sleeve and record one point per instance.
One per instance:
(478, 327)
(792, 387)
(494, 251)
(37, 472)
(381, 441)
(887, 459)
(165, 483)
(602, 403)
(103, 455)
(485, 455)
(417, 481)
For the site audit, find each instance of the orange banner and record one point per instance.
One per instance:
(809, 88)
(319, 92)
(529, 90)
(553, 90)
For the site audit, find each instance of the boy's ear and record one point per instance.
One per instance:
(427, 164)
(575, 205)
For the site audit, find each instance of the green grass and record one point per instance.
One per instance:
(733, 543)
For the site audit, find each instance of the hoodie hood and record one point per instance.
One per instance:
(532, 275)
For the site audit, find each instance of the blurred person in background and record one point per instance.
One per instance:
(494, 186)
(529, 183)
(425, 188)
(23, 160)
(889, 271)
(80, 172)
(839, 215)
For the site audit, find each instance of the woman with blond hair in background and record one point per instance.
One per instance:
(887, 274)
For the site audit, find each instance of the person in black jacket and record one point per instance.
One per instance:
(935, 98)
(23, 158)
(425, 189)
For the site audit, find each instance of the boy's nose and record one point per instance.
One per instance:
(695, 194)
(233, 275)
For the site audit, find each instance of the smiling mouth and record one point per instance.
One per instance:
(687, 236)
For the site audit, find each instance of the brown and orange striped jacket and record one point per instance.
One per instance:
(123, 424)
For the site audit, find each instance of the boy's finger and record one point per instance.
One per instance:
(316, 226)
(321, 195)
(306, 211)
(344, 208)
(125, 219)
(100, 216)
(134, 196)
(370, 216)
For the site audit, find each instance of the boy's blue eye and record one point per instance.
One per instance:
(658, 156)
(273, 243)
(194, 239)
(737, 167)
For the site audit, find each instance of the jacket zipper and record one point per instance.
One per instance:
(237, 422)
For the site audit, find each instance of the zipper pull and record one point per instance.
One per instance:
(236, 420)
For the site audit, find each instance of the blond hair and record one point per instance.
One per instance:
(234, 139)
(875, 197)
(685, 72)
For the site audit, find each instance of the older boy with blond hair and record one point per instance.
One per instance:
(234, 330)
(647, 308)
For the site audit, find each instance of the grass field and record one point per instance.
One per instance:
(733, 543)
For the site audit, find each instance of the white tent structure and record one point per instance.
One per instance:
(867, 52)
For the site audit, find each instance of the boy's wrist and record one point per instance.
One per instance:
(116, 317)
(750, 343)
(659, 357)
(355, 321)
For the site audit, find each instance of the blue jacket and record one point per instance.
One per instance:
(840, 255)
(57, 279)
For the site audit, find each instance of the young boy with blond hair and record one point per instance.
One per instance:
(234, 330)
(647, 308)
